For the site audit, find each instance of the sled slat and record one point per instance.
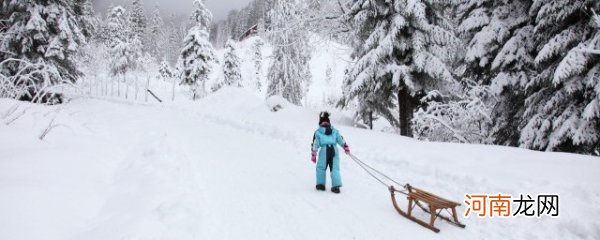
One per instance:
(435, 206)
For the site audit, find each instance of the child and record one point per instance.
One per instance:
(324, 141)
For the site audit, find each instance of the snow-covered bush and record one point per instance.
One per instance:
(463, 118)
(35, 82)
(276, 103)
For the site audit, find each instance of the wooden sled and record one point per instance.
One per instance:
(435, 206)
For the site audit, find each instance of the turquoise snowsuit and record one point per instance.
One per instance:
(322, 142)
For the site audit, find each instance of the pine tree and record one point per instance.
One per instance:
(201, 15)
(88, 22)
(288, 74)
(499, 53)
(157, 38)
(231, 65)
(197, 53)
(486, 26)
(116, 25)
(175, 31)
(40, 41)
(532, 53)
(562, 110)
(165, 70)
(402, 46)
(241, 26)
(124, 51)
(258, 59)
(138, 19)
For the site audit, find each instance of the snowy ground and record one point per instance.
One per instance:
(228, 168)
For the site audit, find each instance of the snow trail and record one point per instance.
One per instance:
(228, 168)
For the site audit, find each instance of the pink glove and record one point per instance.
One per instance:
(346, 148)
(314, 157)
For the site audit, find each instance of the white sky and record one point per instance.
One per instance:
(219, 8)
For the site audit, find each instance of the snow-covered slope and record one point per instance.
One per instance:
(228, 168)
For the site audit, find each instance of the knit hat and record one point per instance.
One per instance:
(324, 117)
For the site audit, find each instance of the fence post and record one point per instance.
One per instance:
(112, 87)
(105, 85)
(96, 84)
(137, 87)
(126, 86)
(147, 87)
(173, 90)
(118, 87)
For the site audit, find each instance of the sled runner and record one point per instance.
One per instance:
(435, 206)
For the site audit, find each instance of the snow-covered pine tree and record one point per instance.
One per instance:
(116, 25)
(197, 53)
(288, 74)
(328, 74)
(231, 65)
(137, 19)
(165, 70)
(223, 35)
(124, 48)
(175, 31)
(40, 41)
(231, 68)
(257, 58)
(486, 25)
(103, 33)
(88, 21)
(499, 54)
(241, 25)
(156, 33)
(201, 15)
(562, 110)
(402, 46)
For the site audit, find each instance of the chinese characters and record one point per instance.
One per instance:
(504, 205)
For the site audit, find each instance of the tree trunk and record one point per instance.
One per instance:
(405, 110)
(371, 120)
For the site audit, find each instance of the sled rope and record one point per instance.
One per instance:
(371, 171)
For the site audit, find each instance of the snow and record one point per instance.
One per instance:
(324, 54)
(227, 167)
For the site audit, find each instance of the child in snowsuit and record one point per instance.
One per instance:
(324, 141)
